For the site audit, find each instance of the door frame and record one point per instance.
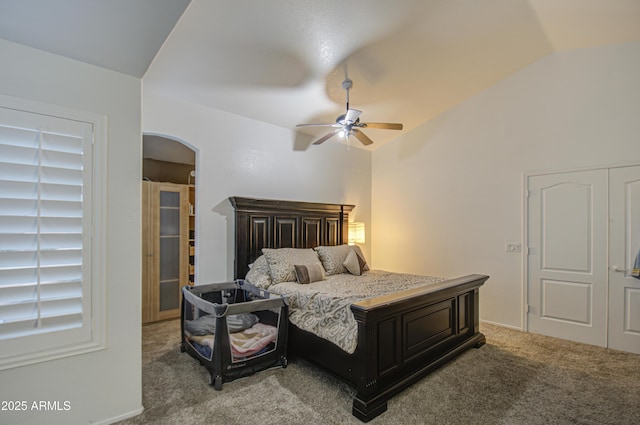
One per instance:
(196, 187)
(524, 320)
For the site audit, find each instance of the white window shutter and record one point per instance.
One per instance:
(45, 232)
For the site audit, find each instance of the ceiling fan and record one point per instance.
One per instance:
(348, 124)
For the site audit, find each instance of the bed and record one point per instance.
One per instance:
(400, 336)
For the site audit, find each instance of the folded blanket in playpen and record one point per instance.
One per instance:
(244, 343)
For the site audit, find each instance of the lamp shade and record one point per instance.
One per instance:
(356, 233)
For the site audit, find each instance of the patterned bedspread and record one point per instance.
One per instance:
(323, 308)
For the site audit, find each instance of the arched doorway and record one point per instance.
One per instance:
(168, 225)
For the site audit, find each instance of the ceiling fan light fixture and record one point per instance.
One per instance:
(348, 124)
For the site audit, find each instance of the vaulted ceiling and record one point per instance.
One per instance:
(283, 61)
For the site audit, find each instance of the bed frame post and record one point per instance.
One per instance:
(476, 319)
(365, 405)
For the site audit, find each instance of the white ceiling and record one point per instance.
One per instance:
(121, 35)
(282, 61)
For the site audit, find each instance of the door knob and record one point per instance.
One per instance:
(619, 269)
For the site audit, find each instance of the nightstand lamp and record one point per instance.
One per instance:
(356, 233)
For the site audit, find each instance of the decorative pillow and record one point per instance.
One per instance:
(260, 265)
(281, 262)
(258, 275)
(333, 257)
(260, 280)
(354, 263)
(206, 325)
(358, 251)
(309, 273)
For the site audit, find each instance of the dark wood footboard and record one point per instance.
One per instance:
(401, 338)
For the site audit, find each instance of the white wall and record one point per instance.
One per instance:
(237, 156)
(106, 384)
(447, 196)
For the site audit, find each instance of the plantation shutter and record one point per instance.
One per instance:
(45, 230)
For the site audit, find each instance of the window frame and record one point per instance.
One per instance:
(94, 330)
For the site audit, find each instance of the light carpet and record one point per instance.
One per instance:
(516, 378)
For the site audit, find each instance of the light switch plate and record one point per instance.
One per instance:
(513, 247)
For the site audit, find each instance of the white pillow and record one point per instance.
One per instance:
(281, 262)
(352, 263)
(360, 254)
(259, 275)
(333, 257)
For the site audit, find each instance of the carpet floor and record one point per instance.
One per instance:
(516, 378)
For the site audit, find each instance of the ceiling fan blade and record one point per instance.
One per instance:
(362, 137)
(352, 115)
(382, 125)
(319, 125)
(326, 137)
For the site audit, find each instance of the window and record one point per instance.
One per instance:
(51, 289)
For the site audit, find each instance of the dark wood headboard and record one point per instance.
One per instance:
(268, 223)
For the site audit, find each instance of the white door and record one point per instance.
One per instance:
(567, 269)
(624, 290)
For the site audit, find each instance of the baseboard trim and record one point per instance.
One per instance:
(121, 417)
(502, 325)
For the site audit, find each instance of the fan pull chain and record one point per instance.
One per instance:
(347, 100)
(346, 85)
